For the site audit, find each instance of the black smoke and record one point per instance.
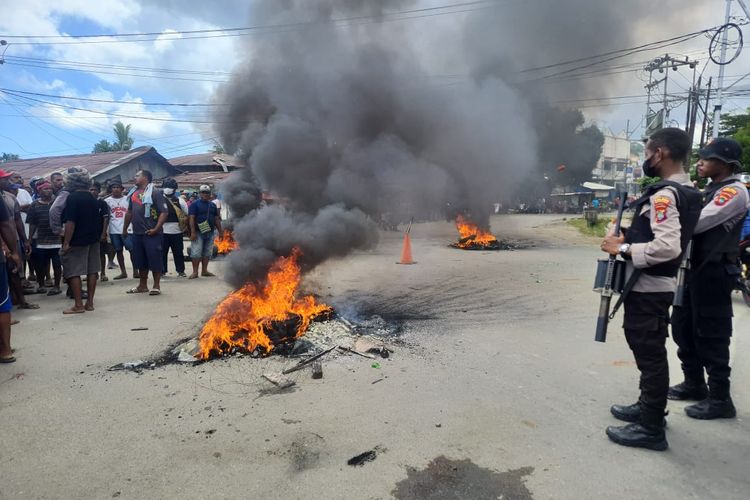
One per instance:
(348, 121)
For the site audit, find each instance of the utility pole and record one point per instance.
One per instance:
(657, 118)
(720, 83)
(705, 114)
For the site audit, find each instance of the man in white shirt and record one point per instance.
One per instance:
(118, 207)
(173, 233)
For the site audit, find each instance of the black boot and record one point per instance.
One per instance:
(688, 391)
(639, 436)
(710, 409)
(630, 413)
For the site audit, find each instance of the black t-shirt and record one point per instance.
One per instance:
(104, 212)
(85, 211)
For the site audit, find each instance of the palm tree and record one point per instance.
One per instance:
(122, 133)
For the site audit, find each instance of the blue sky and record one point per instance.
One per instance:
(115, 72)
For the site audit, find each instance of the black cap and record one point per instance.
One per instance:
(724, 149)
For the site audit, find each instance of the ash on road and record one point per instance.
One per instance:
(496, 372)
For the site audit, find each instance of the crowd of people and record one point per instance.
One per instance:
(66, 228)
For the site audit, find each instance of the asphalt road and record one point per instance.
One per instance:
(496, 389)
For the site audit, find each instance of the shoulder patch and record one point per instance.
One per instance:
(725, 195)
(661, 206)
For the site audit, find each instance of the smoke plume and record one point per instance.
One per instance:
(350, 121)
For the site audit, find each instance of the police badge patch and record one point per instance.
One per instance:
(725, 196)
(661, 205)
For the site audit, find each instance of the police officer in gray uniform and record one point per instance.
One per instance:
(703, 326)
(662, 226)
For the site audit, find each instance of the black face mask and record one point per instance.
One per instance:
(649, 170)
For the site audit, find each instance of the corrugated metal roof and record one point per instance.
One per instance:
(189, 179)
(206, 159)
(95, 163)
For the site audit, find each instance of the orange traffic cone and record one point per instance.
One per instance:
(406, 252)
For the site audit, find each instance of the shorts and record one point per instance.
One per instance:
(81, 261)
(202, 246)
(118, 242)
(147, 252)
(44, 255)
(5, 303)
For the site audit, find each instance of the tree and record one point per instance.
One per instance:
(123, 140)
(218, 148)
(729, 125)
(6, 157)
(103, 146)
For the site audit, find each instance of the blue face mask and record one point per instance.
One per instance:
(16, 186)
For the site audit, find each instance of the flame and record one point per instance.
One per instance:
(243, 316)
(225, 244)
(471, 234)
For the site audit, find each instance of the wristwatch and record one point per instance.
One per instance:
(624, 248)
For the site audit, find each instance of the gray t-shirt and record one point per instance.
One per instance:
(142, 221)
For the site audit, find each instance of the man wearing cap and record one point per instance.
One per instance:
(118, 208)
(703, 327)
(205, 220)
(175, 227)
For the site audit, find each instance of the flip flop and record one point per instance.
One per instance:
(193, 277)
(208, 274)
(11, 359)
(104, 278)
(120, 277)
(28, 305)
(136, 290)
(74, 311)
(54, 291)
(154, 292)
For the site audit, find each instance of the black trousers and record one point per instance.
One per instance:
(646, 330)
(174, 241)
(703, 327)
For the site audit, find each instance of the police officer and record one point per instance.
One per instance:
(663, 223)
(703, 327)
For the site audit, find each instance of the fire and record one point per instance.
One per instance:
(242, 319)
(225, 244)
(472, 235)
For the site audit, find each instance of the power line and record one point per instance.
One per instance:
(455, 8)
(88, 99)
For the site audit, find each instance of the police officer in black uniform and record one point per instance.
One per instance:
(653, 246)
(703, 326)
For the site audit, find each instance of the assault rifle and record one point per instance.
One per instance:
(679, 294)
(607, 289)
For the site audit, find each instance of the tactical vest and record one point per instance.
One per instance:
(689, 205)
(717, 243)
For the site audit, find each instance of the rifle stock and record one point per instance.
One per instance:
(602, 321)
(679, 293)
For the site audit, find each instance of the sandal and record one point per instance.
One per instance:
(11, 359)
(208, 274)
(73, 310)
(54, 291)
(137, 290)
(104, 278)
(120, 277)
(154, 292)
(193, 277)
(28, 305)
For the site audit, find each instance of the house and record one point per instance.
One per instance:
(102, 166)
(207, 162)
(615, 166)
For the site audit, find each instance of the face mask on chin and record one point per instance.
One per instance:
(168, 191)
